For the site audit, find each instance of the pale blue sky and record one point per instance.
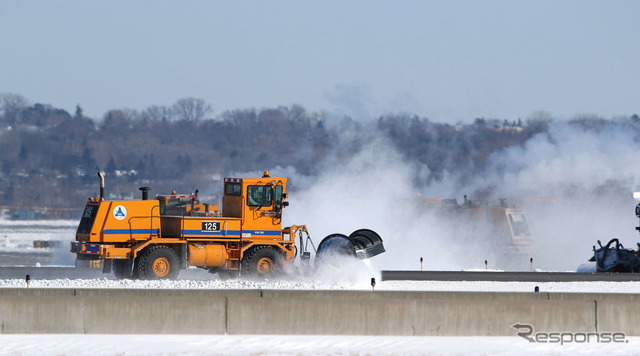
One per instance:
(447, 60)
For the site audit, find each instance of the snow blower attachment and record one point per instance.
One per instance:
(363, 244)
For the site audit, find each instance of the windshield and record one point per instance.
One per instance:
(259, 195)
(519, 224)
(88, 216)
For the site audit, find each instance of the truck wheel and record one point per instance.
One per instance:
(158, 262)
(262, 261)
(122, 269)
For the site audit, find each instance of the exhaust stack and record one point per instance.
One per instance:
(101, 185)
(145, 192)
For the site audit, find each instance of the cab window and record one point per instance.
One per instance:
(519, 224)
(259, 195)
(173, 206)
(232, 188)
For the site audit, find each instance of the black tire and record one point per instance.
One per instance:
(158, 262)
(121, 269)
(262, 261)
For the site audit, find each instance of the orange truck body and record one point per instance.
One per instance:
(153, 239)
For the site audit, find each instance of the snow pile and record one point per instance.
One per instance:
(363, 285)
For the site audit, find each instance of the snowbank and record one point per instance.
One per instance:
(214, 283)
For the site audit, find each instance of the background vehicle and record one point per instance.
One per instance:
(613, 257)
(502, 226)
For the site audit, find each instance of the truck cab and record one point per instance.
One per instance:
(258, 202)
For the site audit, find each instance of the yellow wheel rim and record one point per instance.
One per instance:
(161, 267)
(265, 265)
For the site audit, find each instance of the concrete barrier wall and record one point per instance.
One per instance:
(149, 311)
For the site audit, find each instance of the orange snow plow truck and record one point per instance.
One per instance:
(155, 238)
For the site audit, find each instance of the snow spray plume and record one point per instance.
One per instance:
(574, 182)
(373, 189)
(582, 180)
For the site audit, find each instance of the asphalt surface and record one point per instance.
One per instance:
(507, 276)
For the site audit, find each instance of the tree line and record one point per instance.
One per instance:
(50, 157)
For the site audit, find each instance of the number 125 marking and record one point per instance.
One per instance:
(211, 226)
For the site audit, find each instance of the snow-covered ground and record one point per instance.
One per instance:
(73, 224)
(318, 284)
(296, 345)
(17, 237)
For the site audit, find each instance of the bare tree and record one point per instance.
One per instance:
(158, 113)
(191, 109)
(539, 117)
(118, 120)
(12, 106)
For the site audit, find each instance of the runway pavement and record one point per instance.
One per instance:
(506, 276)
